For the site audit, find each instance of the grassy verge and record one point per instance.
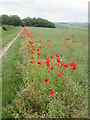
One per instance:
(11, 81)
(70, 100)
(9, 33)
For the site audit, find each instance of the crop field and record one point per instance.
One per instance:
(47, 75)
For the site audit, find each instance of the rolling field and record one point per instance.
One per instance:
(53, 66)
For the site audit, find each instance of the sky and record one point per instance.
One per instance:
(53, 10)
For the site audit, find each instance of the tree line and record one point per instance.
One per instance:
(32, 22)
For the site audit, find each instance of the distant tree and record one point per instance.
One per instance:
(33, 22)
(39, 22)
(5, 19)
(11, 20)
(15, 20)
(26, 21)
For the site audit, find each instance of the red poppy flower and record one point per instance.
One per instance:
(31, 61)
(51, 68)
(59, 74)
(32, 52)
(73, 65)
(28, 55)
(39, 62)
(51, 56)
(46, 80)
(61, 55)
(61, 65)
(37, 49)
(40, 41)
(68, 38)
(58, 59)
(32, 43)
(65, 66)
(57, 55)
(47, 62)
(38, 54)
(81, 83)
(52, 93)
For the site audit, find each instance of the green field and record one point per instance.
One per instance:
(32, 99)
(9, 33)
(75, 26)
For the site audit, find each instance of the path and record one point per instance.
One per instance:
(7, 46)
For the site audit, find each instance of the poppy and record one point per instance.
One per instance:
(39, 62)
(73, 65)
(32, 52)
(68, 38)
(61, 65)
(61, 55)
(58, 59)
(57, 55)
(47, 62)
(51, 56)
(38, 54)
(65, 66)
(31, 61)
(59, 74)
(37, 49)
(52, 93)
(40, 41)
(81, 83)
(51, 68)
(46, 80)
(28, 55)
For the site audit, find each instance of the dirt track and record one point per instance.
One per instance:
(7, 46)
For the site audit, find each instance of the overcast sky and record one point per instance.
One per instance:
(53, 10)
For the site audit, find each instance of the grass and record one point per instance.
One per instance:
(73, 26)
(9, 33)
(34, 101)
(11, 81)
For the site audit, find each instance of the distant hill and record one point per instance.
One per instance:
(72, 25)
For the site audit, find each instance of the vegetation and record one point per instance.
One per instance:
(53, 88)
(9, 32)
(39, 22)
(33, 22)
(11, 20)
(11, 80)
(76, 26)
